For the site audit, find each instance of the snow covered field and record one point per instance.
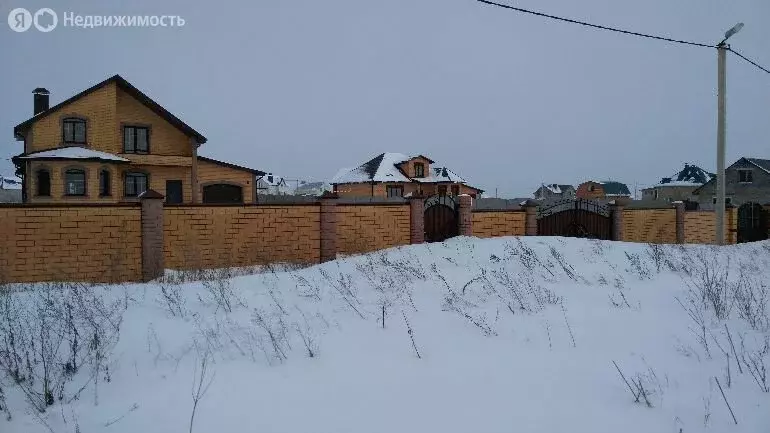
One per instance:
(496, 335)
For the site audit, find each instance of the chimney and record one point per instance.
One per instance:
(270, 177)
(40, 100)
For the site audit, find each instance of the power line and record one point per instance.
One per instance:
(597, 26)
(748, 60)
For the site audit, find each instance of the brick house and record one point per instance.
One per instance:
(679, 186)
(595, 190)
(399, 175)
(554, 191)
(746, 181)
(112, 142)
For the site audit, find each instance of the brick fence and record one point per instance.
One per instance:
(137, 241)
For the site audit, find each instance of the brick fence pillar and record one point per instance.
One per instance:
(616, 213)
(464, 216)
(153, 264)
(328, 226)
(679, 206)
(530, 217)
(416, 219)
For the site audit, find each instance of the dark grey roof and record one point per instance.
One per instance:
(764, 164)
(370, 167)
(615, 188)
(690, 173)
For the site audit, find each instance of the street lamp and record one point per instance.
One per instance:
(722, 48)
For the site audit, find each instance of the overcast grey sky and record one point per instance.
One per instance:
(304, 87)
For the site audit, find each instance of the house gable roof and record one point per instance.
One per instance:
(18, 130)
(233, 166)
(762, 164)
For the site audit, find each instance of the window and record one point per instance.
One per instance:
(105, 183)
(43, 183)
(395, 191)
(74, 131)
(455, 190)
(728, 200)
(591, 188)
(419, 169)
(745, 176)
(74, 182)
(136, 183)
(136, 139)
(442, 190)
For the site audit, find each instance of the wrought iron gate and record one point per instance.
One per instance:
(575, 218)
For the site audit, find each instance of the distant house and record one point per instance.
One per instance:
(312, 188)
(607, 189)
(10, 182)
(554, 191)
(746, 181)
(679, 186)
(10, 189)
(398, 175)
(271, 184)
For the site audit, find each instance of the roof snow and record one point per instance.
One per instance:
(690, 175)
(74, 153)
(441, 174)
(383, 168)
(10, 182)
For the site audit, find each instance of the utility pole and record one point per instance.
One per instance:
(722, 49)
(721, 135)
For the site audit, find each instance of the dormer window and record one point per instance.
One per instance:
(419, 169)
(136, 139)
(73, 131)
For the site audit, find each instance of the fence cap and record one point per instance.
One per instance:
(151, 194)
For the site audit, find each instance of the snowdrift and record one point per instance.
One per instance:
(523, 334)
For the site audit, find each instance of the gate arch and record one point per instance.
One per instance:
(575, 218)
(441, 222)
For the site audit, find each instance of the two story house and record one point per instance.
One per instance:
(554, 191)
(679, 186)
(399, 175)
(608, 189)
(746, 181)
(110, 143)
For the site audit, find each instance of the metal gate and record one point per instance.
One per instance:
(752, 223)
(440, 218)
(575, 218)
